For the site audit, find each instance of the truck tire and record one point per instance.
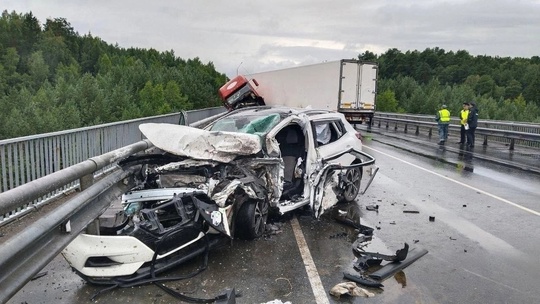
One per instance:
(351, 182)
(251, 219)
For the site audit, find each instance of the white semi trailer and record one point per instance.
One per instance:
(348, 86)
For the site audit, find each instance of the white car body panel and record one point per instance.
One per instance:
(200, 144)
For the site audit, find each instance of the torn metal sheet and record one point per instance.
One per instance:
(221, 197)
(188, 163)
(201, 144)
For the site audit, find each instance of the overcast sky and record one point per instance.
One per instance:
(255, 35)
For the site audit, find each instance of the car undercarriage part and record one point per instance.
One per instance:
(367, 259)
(362, 279)
(391, 268)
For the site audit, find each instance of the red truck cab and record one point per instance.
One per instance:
(239, 92)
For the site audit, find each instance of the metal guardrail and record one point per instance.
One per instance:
(507, 132)
(28, 158)
(24, 254)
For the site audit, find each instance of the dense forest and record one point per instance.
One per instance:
(420, 82)
(52, 78)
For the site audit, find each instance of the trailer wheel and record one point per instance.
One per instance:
(350, 183)
(251, 219)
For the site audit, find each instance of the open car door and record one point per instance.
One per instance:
(339, 158)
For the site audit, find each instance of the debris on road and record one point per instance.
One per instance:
(432, 219)
(362, 279)
(392, 268)
(39, 275)
(411, 211)
(277, 301)
(351, 289)
(372, 208)
(351, 217)
(367, 259)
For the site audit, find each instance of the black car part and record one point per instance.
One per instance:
(367, 259)
(391, 268)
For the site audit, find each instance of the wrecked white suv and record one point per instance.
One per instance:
(206, 185)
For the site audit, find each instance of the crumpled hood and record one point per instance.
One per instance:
(200, 144)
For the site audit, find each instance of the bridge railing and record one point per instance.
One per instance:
(512, 133)
(29, 158)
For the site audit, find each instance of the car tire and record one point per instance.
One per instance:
(251, 219)
(351, 182)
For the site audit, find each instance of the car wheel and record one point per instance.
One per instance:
(251, 219)
(351, 184)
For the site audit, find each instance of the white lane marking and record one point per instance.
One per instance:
(460, 183)
(313, 274)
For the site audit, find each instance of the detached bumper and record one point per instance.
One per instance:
(111, 256)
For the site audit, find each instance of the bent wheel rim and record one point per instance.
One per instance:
(261, 213)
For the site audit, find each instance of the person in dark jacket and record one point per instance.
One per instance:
(472, 121)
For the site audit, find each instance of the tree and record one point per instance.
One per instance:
(38, 69)
(387, 102)
(176, 100)
(485, 85)
(367, 56)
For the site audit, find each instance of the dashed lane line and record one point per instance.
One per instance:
(459, 183)
(313, 274)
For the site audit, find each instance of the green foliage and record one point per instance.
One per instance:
(503, 88)
(387, 102)
(52, 78)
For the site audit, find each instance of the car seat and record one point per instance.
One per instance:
(292, 146)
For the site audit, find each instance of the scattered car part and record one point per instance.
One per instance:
(372, 208)
(392, 268)
(368, 259)
(362, 279)
(411, 211)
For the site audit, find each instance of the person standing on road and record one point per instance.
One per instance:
(443, 119)
(463, 115)
(472, 121)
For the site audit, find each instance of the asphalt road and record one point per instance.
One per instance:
(484, 243)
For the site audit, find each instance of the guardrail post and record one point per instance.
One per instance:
(395, 127)
(512, 144)
(417, 130)
(485, 140)
(86, 181)
(430, 132)
(405, 130)
(93, 228)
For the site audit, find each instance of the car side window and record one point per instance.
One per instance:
(327, 131)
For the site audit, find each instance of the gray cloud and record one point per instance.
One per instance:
(252, 36)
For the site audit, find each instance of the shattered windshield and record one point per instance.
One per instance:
(251, 124)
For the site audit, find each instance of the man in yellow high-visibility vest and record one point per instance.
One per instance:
(463, 116)
(443, 119)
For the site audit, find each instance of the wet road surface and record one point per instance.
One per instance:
(484, 243)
